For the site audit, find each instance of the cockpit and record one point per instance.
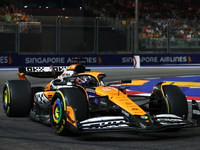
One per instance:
(87, 80)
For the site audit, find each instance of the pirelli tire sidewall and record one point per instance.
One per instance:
(170, 100)
(176, 99)
(17, 98)
(58, 123)
(74, 98)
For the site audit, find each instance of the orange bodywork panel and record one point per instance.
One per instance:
(47, 87)
(49, 94)
(21, 76)
(70, 116)
(94, 74)
(72, 67)
(120, 99)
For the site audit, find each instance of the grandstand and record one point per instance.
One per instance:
(99, 26)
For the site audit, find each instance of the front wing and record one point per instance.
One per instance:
(119, 123)
(137, 123)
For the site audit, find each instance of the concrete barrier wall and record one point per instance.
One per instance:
(15, 59)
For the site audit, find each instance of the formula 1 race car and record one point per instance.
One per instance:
(78, 100)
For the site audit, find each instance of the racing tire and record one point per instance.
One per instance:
(62, 98)
(17, 98)
(172, 102)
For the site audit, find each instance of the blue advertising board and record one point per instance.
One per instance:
(14, 59)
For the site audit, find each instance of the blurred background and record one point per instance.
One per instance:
(100, 26)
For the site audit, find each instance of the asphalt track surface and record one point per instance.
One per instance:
(24, 134)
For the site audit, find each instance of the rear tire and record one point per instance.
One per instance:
(17, 98)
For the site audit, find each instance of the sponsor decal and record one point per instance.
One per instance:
(57, 111)
(108, 89)
(196, 112)
(5, 60)
(159, 59)
(125, 113)
(189, 59)
(127, 59)
(60, 60)
(49, 96)
(90, 90)
(42, 60)
(149, 59)
(100, 60)
(35, 69)
(128, 103)
(45, 69)
(90, 60)
(91, 96)
(144, 117)
(59, 68)
(165, 59)
(10, 60)
(174, 59)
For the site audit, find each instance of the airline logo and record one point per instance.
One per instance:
(158, 59)
(5, 60)
(60, 60)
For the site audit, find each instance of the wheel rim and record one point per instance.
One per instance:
(57, 111)
(5, 99)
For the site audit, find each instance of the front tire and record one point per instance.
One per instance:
(17, 98)
(63, 100)
(170, 99)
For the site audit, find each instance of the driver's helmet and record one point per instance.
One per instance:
(83, 80)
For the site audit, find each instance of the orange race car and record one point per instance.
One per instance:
(78, 100)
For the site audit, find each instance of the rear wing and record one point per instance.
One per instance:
(51, 71)
(42, 71)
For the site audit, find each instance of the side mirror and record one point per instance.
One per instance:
(126, 81)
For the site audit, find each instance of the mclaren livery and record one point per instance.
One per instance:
(78, 100)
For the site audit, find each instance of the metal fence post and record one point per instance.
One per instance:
(96, 34)
(18, 37)
(136, 26)
(58, 35)
(132, 36)
(168, 37)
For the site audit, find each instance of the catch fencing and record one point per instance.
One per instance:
(101, 35)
